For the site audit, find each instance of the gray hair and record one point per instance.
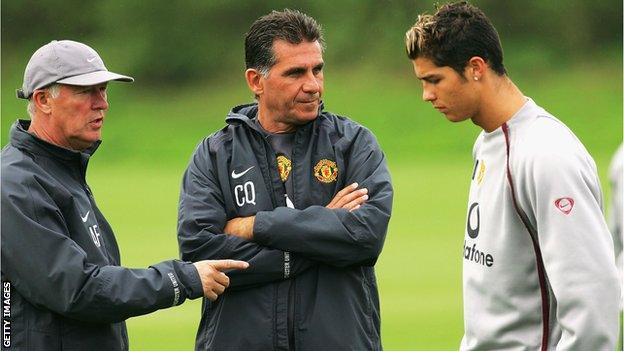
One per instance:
(54, 90)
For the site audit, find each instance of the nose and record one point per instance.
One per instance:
(428, 94)
(100, 101)
(312, 85)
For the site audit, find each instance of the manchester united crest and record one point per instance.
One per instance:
(284, 166)
(326, 171)
(481, 173)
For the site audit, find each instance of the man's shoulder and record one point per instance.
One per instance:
(546, 141)
(18, 169)
(328, 117)
(222, 135)
(215, 141)
(342, 125)
(15, 161)
(543, 133)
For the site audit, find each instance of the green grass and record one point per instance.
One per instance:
(150, 134)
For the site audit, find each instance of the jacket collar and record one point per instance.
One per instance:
(245, 113)
(23, 140)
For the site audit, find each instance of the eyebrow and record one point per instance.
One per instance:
(428, 76)
(302, 70)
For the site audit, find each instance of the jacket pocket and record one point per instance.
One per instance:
(370, 288)
(209, 323)
(240, 320)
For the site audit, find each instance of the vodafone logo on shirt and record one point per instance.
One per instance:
(564, 204)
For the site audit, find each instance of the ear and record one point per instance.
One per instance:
(42, 99)
(475, 68)
(255, 81)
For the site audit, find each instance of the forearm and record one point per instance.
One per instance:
(266, 265)
(119, 292)
(331, 236)
(107, 294)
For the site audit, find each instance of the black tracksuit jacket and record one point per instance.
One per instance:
(311, 283)
(63, 288)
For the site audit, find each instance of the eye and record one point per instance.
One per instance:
(295, 73)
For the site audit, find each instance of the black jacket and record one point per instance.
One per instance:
(310, 265)
(63, 288)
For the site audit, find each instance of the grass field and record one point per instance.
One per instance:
(150, 135)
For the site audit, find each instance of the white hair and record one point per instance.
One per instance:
(54, 90)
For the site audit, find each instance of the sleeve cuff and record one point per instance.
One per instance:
(261, 236)
(190, 280)
(260, 228)
(287, 261)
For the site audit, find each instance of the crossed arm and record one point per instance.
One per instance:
(350, 198)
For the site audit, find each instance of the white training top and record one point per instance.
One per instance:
(555, 264)
(616, 216)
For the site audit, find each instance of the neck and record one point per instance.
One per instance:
(273, 124)
(499, 102)
(45, 133)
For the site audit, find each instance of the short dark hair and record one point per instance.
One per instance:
(457, 32)
(289, 25)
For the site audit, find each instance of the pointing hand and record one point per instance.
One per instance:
(214, 281)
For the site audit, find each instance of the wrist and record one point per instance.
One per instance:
(249, 226)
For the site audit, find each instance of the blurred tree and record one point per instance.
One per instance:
(176, 42)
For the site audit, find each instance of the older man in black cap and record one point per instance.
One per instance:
(63, 287)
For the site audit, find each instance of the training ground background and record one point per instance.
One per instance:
(154, 124)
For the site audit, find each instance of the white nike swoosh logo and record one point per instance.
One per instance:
(84, 219)
(91, 59)
(238, 175)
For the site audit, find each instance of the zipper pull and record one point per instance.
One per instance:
(288, 202)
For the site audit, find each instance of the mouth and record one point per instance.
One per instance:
(97, 123)
(308, 98)
(308, 101)
(442, 109)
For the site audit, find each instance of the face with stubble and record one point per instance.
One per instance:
(290, 95)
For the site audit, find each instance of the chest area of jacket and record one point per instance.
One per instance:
(254, 177)
(86, 225)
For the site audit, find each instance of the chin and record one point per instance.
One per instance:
(306, 116)
(456, 118)
(92, 139)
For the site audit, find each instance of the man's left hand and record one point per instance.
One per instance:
(241, 227)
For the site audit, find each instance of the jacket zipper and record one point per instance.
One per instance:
(290, 310)
(270, 158)
(293, 284)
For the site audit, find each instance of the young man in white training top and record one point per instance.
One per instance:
(539, 270)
